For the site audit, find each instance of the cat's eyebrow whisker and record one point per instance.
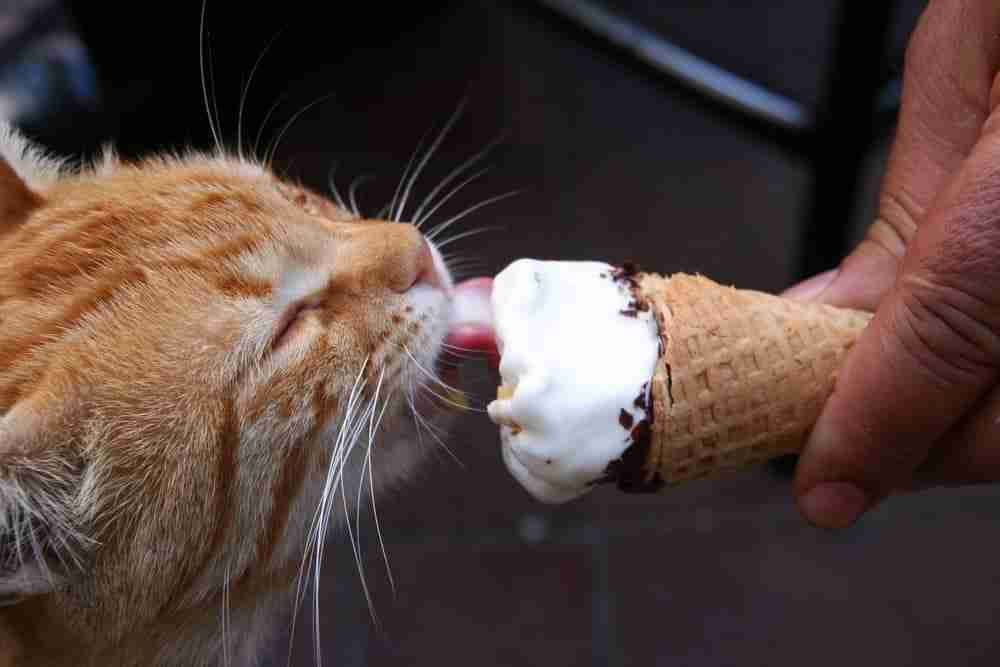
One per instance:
(332, 183)
(419, 216)
(267, 117)
(352, 191)
(438, 229)
(471, 232)
(246, 91)
(273, 149)
(426, 158)
(212, 120)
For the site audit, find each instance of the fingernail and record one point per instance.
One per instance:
(809, 289)
(833, 505)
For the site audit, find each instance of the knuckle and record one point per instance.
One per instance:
(895, 226)
(949, 334)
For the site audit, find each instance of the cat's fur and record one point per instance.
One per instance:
(160, 435)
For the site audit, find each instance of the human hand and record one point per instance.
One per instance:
(917, 401)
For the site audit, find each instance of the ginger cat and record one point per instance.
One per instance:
(194, 357)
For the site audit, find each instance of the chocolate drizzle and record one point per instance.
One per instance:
(641, 401)
(626, 274)
(628, 472)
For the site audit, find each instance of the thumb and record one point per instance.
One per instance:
(931, 351)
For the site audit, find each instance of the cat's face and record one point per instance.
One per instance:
(193, 355)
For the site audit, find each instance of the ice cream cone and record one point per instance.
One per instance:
(741, 378)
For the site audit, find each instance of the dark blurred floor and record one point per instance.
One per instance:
(616, 165)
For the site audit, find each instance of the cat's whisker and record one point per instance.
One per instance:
(212, 120)
(413, 412)
(332, 183)
(418, 216)
(312, 551)
(419, 222)
(448, 401)
(322, 531)
(466, 267)
(246, 91)
(403, 178)
(456, 259)
(373, 425)
(364, 416)
(270, 153)
(438, 229)
(364, 464)
(466, 274)
(421, 423)
(373, 428)
(471, 232)
(352, 191)
(437, 437)
(434, 378)
(459, 348)
(426, 158)
(460, 357)
(454, 361)
(225, 618)
(378, 531)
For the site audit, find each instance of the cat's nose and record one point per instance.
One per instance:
(425, 268)
(391, 255)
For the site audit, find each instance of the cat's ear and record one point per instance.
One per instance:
(40, 540)
(25, 171)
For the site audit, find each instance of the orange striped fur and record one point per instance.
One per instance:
(179, 342)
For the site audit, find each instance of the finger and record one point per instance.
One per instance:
(930, 352)
(970, 452)
(950, 65)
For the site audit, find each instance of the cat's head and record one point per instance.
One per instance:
(192, 351)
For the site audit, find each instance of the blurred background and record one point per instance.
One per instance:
(742, 140)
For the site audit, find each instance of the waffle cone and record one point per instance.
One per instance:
(741, 378)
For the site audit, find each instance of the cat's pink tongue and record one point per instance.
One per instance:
(472, 323)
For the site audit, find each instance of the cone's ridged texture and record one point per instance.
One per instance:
(742, 376)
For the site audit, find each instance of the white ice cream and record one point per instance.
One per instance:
(575, 361)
